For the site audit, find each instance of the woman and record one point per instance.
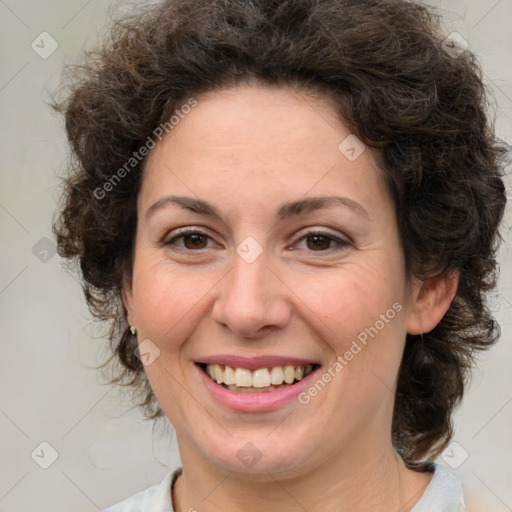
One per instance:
(288, 212)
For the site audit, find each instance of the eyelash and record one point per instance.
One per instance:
(342, 243)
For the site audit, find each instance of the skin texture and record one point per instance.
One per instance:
(247, 150)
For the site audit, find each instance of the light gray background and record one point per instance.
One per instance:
(49, 346)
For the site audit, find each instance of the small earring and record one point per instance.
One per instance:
(133, 330)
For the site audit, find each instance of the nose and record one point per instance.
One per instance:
(252, 300)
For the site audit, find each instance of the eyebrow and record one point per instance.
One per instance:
(286, 211)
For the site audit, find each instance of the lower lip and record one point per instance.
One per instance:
(255, 402)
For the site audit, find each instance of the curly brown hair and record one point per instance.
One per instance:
(393, 82)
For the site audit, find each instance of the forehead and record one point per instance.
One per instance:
(260, 139)
(247, 118)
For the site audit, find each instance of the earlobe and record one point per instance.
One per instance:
(127, 298)
(430, 302)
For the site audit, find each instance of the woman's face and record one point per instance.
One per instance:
(271, 272)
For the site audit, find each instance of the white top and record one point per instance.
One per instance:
(444, 493)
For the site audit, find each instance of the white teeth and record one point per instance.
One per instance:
(229, 376)
(277, 375)
(218, 374)
(289, 374)
(243, 378)
(261, 378)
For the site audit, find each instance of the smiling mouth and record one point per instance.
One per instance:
(262, 380)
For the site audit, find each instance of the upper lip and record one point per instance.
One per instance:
(255, 363)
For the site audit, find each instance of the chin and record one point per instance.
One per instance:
(257, 455)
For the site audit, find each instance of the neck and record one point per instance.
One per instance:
(341, 484)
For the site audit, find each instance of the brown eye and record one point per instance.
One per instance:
(195, 241)
(321, 242)
(318, 242)
(191, 240)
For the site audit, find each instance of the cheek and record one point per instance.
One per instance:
(361, 316)
(167, 299)
(349, 300)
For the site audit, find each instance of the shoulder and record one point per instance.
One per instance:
(445, 493)
(156, 498)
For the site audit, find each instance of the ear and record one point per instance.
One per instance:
(127, 298)
(430, 301)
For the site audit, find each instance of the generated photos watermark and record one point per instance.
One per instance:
(357, 345)
(158, 133)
